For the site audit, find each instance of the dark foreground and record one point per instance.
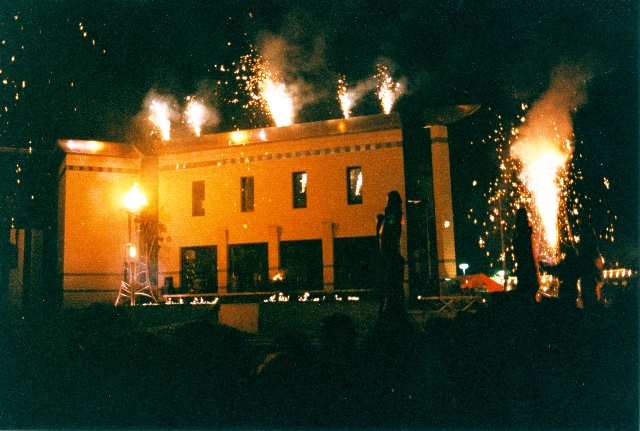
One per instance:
(504, 367)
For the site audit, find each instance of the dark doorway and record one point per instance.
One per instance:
(355, 262)
(199, 269)
(302, 264)
(248, 268)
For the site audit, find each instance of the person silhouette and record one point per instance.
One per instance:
(525, 255)
(587, 268)
(390, 227)
(566, 271)
(392, 262)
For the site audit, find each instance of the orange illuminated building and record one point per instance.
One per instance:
(237, 211)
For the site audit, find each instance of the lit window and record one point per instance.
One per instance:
(246, 189)
(197, 198)
(354, 185)
(299, 189)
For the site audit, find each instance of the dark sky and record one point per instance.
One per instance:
(495, 53)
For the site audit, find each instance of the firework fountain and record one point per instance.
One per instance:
(543, 146)
(344, 97)
(388, 90)
(160, 115)
(196, 115)
(266, 92)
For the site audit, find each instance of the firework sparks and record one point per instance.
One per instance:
(279, 101)
(552, 169)
(196, 114)
(543, 165)
(388, 90)
(265, 92)
(160, 117)
(345, 98)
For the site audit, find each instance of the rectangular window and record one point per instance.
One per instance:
(248, 267)
(299, 189)
(354, 185)
(246, 190)
(197, 198)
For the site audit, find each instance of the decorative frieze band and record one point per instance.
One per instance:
(279, 156)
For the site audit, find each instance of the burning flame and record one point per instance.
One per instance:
(388, 90)
(160, 117)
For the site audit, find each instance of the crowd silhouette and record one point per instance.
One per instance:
(506, 366)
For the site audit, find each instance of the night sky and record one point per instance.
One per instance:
(80, 69)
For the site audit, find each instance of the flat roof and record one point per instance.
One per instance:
(76, 146)
(317, 129)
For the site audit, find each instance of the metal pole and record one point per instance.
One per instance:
(130, 270)
(504, 253)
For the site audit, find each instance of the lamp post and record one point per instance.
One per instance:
(131, 286)
(464, 267)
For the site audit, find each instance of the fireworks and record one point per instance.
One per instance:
(196, 115)
(160, 117)
(543, 167)
(345, 98)
(162, 112)
(388, 90)
(278, 101)
(547, 182)
(265, 91)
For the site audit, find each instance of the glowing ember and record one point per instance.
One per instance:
(196, 114)
(388, 90)
(345, 98)
(160, 117)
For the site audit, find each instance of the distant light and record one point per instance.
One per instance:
(464, 267)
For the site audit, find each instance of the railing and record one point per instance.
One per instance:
(448, 305)
(274, 296)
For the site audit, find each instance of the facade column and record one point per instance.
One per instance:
(328, 233)
(443, 202)
(273, 250)
(221, 251)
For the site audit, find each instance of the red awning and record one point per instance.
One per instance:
(479, 281)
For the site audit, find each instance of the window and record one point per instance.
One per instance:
(246, 187)
(299, 189)
(197, 198)
(355, 265)
(199, 270)
(354, 185)
(248, 266)
(302, 264)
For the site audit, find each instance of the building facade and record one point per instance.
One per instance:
(239, 211)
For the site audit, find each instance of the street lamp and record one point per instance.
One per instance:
(131, 285)
(464, 267)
